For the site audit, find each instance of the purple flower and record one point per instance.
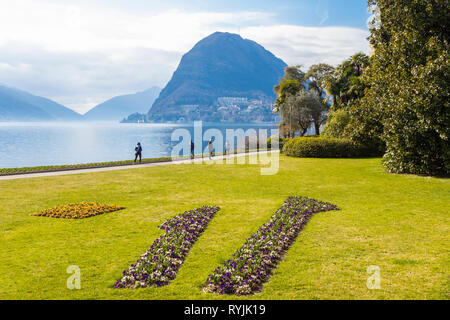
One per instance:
(251, 265)
(161, 262)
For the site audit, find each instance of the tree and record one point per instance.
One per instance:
(318, 106)
(359, 63)
(332, 84)
(299, 114)
(308, 108)
(317, 109)
(337, 124)
(316, 75)
(345, 84)
(294, 73)
(408, 84)
(299, 107)
(349, 116)
(289, 86)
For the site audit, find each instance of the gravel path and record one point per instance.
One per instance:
(78, 171)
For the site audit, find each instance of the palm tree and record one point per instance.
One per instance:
(345, 85)
(359, 62)
(331, 83)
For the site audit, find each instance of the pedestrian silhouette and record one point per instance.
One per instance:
(138, 150)
(210, 148)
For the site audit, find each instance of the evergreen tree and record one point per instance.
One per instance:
(408, 83)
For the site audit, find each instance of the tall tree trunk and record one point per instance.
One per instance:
(303, 132)
(317, 127)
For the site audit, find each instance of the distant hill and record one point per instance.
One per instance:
(222, 65)
(17, 105)
(120, 107)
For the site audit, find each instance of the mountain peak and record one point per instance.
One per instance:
(19, 105)
(223, 34)
(220, 65)
(116, 108)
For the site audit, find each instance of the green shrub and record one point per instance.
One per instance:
(326, 148)
(408, 84)
(281, 142)
(336, 123)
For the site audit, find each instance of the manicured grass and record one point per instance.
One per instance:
(399, 223)
(68, 167)
(14, 171)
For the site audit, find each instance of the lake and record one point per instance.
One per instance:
(28, 144)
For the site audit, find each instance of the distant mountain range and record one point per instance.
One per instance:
(120, 107)
(17, 105)
(222, 78)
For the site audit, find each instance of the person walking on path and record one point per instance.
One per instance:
(227, 148)
(138, 150)
(192, 150)
(210, 148)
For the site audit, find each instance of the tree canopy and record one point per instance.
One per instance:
(408, 84)
(299, 99)
(396, 101)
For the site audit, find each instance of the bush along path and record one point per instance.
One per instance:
(252, 264)
(160, 264)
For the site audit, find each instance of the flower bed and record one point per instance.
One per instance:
(253, 263)
(160, 264)
(77, 210)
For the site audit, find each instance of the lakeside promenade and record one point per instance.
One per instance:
(126, 167)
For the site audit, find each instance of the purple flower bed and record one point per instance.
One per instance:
(159, 265)
(253, 263)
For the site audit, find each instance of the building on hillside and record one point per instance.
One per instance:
(230, 101)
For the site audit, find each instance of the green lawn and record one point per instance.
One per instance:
(399, 223)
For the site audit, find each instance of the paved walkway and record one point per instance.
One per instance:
(134, 166)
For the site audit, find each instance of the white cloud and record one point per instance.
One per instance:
(60, 27)
(81, 55)
(81, 80)
(310, 45)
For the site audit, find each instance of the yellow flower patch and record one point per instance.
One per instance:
(77, 210)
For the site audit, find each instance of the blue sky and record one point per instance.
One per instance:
(80, 53)
(351, 13)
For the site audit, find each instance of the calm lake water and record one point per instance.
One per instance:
(38, 144)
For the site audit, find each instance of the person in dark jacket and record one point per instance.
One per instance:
(210, 148)
(138, 150)
(192, 150)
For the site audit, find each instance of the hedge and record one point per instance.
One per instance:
(304, 147)
(281, 142)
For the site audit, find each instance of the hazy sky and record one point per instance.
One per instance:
(80, 53)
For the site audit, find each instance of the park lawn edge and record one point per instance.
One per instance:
(107, 164)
